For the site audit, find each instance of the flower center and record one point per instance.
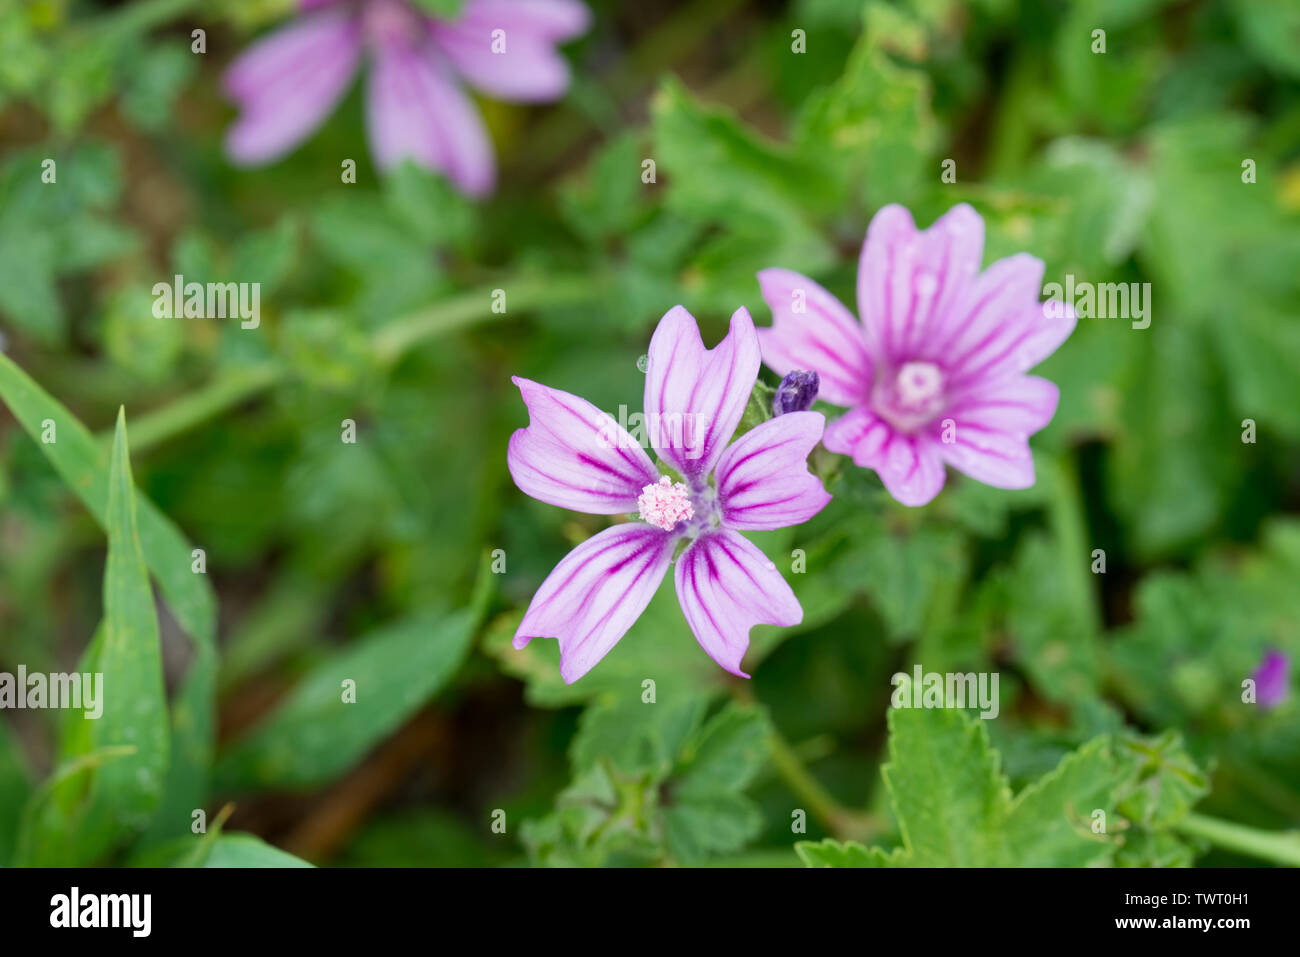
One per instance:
(913, 397)
(387, 20)
(664, 504)
(918, 384)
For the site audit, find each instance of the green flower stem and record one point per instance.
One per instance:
(224, 392)
(235, 386)
(1065, 507)
(1280, 847)
(844, 823)
(524, 293)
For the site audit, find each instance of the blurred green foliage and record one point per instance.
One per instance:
(325, 561)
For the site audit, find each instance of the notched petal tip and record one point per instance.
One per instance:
(596, 594)
(725, 586)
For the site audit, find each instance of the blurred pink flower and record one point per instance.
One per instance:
(1272, 679)
(934, 373)
(577, 457)
(288, 82)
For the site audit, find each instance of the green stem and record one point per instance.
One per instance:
(521, 293)
(1280, 847)
(844, 823)
(391, 342)
(1065, 506)
(224, 392)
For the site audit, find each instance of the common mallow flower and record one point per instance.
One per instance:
(934, 373)
(577, 457)
(288, 82)
(1272, 679)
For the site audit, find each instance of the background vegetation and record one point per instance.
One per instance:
(324, 561)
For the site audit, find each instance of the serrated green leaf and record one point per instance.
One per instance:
(831, 853)
(1051, 821)
(725, 755)
(947, 789)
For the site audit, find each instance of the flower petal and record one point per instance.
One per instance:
(288, 82)
(528, 69)
(694, 397)
(909, 281)
(596, 594)
(552, 20)
(763, 478)
(823, 337)
(910, 465)
(725, 586)
(1002, 328)
(575, 456)
(415, 111)
(991, 430)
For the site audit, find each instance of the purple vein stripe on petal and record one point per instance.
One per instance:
(596, 594)
(575, 456)
(763, 478)
(725, 586)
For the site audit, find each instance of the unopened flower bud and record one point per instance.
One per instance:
(796, 393)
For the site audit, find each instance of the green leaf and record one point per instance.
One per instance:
(1050, 824)
(428, 204)
(1163, 781)
(759, 197)
(1272, 32)
(247, 850)
(15, 787)
(84, 467)
(873, 130)
(954, 806)
(947, 789)
(831, 853)
(46, 829)
(153, 83)
(653, 784)
(135, 701)
(316, 735)
(216, 849)
(726, 755)
(698, 825)
(635, 737)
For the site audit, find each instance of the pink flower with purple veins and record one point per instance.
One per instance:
(934, 373)
(288, 82)
(577, 457)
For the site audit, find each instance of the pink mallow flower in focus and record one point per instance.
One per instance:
(934, 373)
(288, 82)
(577, 457)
